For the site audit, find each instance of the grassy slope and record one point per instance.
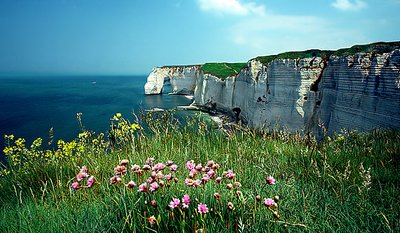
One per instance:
(320, 186)
(223, 70)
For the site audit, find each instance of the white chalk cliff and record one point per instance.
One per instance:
(359, 91)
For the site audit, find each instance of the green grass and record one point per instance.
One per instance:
(347, 184)
(223, 70)
(377, 48)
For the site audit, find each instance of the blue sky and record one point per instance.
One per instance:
(132, 36)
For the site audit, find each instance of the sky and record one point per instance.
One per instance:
(130, 37)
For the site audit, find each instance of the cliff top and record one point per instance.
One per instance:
(378, 47)
(223, 70)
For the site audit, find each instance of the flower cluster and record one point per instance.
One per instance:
(81, 177)
(156, 179)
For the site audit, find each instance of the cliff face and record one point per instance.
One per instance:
(182, 79)
(360, 91)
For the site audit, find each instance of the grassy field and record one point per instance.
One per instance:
(247, 181)
(223, 70)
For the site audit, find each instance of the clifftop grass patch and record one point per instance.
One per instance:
(223, 70)
(378, 48)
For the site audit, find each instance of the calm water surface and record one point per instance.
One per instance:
(31, 105)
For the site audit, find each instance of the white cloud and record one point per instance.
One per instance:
(234, 7)
(349, 5)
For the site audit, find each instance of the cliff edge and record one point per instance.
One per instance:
(309, 91)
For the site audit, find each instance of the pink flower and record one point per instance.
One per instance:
(210, 163)
(75, 186)
(168, 177)
(188, 182)
(211, 174)
(83, 170)
(153, 187)
(215, 166)
(113, 179)
(237, 184)
(159, 175)
(150, 161)
(190, 165)
(218, 180)
(146, 167)
(192, 173)
(238, 193)
(152, 220)
(174, 203)
(206, 169)
(230, 175)
(130, 184)
(153, 203)
(142, 188)
(81, 176)
(90, 181)
(217, 195)
(229, 186)
(185, 206)
(199, 167)
(270, 180)
(173, 167)
(205, 179)
(158, 167)
(268, 202)
(161, 183)
(124, 162)
(229, 206)
(150, 180)
(169, 162)
(135, 168)
(196, 183)
(202, 208)
(186, 199)
(120, 170)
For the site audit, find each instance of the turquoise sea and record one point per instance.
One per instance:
(31, 105)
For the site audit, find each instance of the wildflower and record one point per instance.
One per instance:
(83, 170)
(146, 167)
(186, 199)
(217, 195)
(113, 179)
(202, 208)
(119, 180)
(90, 182)
(131, 184)
(152, 220)
(218, 180)
(190, 165)
(196, 183)
(81, 176)
(229, 186)
(205, 179)
(276, 198)
(161, 183)
(192, 173)
(158, 167)
(169, 163)
(140, 172)
(230, 175)
(210, 163)
(199, 167)
(150, 180)
(150, 161)
(135, 168)
(215, 166)
(185, 206)
(118, 115)
(75, 186)
(258, 198)
(270, 180)
(153, 187)
(142, 188)
(124, 162)
(211, 174)
(229, 206)
(239, 193)
(206, 169)
(120, 170)
(176, 180)
(153, 203)
(173, 167)
(153, 175)
(174, 203)
(168, 177)
(188, 182)
(268, 202)
(237, 184)
(159, 175)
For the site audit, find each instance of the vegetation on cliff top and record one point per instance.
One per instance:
(379, 48)
(223, 70)
(193, 178)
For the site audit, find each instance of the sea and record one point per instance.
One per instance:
(32, 105)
